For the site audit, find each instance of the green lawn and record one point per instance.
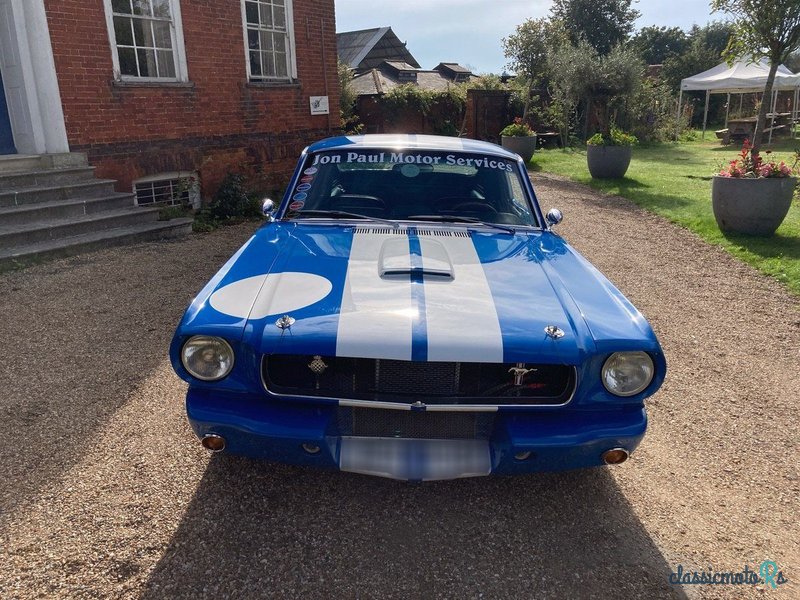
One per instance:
(674, 180)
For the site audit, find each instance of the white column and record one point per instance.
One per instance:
(29, 77)
(51, 113)
(705, 114)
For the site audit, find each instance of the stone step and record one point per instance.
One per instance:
(92, 188)
(21, 256)
(40, 231)
(12, 163)
(44, 178)
(62, 209)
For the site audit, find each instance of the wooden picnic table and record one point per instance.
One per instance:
(743, 128)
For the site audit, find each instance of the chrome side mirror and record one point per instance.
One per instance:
(267, 209)
(554, 217)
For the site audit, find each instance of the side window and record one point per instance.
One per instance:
(146, 40)
(269, 40)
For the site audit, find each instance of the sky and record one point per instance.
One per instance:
(470, 31)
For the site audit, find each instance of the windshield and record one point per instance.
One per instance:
(411, 185)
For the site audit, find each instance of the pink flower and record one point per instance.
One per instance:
(748, 164)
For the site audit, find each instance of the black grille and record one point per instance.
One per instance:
(407, 381)
(420, 378)
(375, 422)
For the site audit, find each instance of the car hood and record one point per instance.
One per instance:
(417, 293)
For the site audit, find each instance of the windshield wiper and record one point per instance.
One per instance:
(458, 219)
(343, 214)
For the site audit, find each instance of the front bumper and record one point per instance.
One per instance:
(283, 432)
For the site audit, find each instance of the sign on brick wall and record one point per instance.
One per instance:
(319, 105)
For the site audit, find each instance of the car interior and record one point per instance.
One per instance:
(400, 193)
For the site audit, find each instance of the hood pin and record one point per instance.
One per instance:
(284, 323)
(554, 332)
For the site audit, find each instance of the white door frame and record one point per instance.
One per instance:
(29, 78)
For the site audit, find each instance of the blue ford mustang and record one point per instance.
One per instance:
(408, 312)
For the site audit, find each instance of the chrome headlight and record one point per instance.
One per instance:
(207, 358)
(627, 373)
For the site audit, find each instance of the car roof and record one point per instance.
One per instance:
(402, 141)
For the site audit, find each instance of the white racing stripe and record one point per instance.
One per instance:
(461, 317)
(377, 313)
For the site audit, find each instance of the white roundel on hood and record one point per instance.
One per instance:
(276, 293)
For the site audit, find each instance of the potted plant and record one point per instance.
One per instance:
(609, 155)
(750, 195)
(520, 138)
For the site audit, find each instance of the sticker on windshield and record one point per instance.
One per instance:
(297, 205)
(307, 179)
(303, 187)
(417, 160)
(301, 197)
(310, 170)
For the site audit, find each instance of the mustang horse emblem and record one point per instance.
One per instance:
(519, 373)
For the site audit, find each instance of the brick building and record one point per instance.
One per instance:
(154, 91)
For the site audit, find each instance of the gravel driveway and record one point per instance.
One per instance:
(106, 493)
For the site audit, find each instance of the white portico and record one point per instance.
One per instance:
(31, 114)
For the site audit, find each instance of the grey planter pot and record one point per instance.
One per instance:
(522, 145)
(751, 206)
(608, 162)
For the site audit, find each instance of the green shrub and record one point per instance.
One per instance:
(167, 213)
(617, 137)
(203, 222)
(518, 128)
(232, 200)
(443, 111)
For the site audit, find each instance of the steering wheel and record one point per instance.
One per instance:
(473, 207)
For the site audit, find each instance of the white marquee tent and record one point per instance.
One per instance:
(740, 78)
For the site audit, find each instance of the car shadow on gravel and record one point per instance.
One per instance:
(259, 530)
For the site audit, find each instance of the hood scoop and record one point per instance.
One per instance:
(400, 257)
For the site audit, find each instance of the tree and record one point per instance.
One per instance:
(616, 76)
(793, 62)
(762, 29)
(696, 58)
(715, 35)
(571, 67)
(526, 50)
(656, 44)
(347, 98)
(601, 83)
(602, 23)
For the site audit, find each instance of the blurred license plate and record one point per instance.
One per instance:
(414, 459)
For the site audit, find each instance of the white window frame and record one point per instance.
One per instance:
(178, 47)
(194, 189)
(291, 55)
